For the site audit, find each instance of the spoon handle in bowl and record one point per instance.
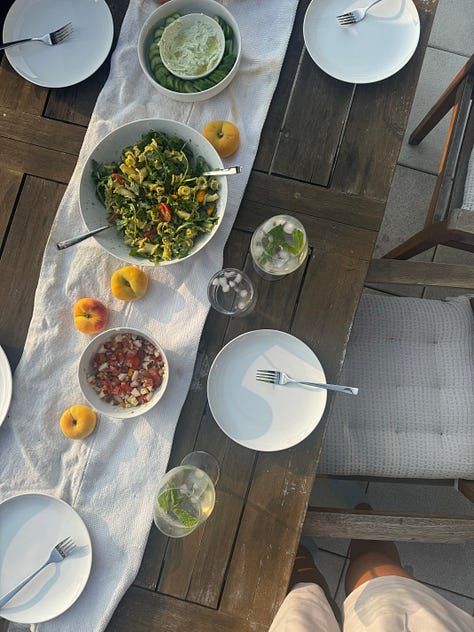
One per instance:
(61, 245)
(229, 171)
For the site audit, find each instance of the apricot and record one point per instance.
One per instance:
(78, 421)
(129, 283)
(224, 136)
(90, 315)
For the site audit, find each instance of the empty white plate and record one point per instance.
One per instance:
(259, 415)
(69, 62)
(31, 525)
(370, 50)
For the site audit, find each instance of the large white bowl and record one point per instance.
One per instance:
(208, 7)
(85, 368)
(108, 149)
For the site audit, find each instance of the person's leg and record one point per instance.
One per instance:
(370, 559)
(308, 606)
(304, 570)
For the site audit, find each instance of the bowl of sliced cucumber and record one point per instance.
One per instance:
(168, 19)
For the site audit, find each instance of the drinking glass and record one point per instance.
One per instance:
(186, 495)
(230, 291)
(278, 247)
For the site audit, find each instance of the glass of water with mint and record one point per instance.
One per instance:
(278, 247)
(186, 495)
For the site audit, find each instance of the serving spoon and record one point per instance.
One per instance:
(66, 243)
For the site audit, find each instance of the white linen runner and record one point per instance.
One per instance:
(110, 477)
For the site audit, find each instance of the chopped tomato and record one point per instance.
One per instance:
(118, 177)
(165, 212)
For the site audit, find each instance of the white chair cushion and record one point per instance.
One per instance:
(413, 360)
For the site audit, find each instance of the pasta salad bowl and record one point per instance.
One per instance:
(144, 179)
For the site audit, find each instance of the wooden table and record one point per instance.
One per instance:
(327, 156)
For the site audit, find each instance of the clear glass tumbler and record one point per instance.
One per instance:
(231, 292)
(278, 247)
(186, 495)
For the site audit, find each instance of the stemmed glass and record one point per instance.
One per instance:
(186, 495)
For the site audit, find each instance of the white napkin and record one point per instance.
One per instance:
(110, 478)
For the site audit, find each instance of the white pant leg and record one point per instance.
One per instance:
(400, 604)
(305, 609)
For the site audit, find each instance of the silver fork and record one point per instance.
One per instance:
(356, 15)
(279, 377)
(60, 551)
(53, 38)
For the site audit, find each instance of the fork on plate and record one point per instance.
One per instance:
(59, 552)
(355, 15)
(281, 378)
(53, 38)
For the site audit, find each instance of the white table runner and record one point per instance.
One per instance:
(110, 477)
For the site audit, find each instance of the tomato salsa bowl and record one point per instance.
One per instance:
(123, 372)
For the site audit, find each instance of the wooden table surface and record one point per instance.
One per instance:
(327, 156)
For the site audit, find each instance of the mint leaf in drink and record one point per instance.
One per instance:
(277, 239)
(298, 243)
(170, 499)
(185, 517)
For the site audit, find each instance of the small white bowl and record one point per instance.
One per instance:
(85, 369)
(184, 7)
(189, 36)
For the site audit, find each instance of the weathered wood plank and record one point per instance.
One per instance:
(145, 611)
(332, 277)
(290, 196)
(18, 94)
(379, 113)
(420, 273)
(276, 113)
(27, 237)
(37, 130)
(376, 525)
(318, 109)
(11, 184)
(37, 161)
(323, 234)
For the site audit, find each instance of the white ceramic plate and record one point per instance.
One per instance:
(371, 50)
(69, 62)
(259, 415)
(31, 525)
(108, 149)
(5, 385)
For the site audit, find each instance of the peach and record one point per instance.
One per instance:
(78, 421)
(129, 283)
(224, 137)
(90, 315)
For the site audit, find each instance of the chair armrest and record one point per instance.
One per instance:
(407, 272)
(361, 524)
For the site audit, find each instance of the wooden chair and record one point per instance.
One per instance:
(341, 439)
(447, 222)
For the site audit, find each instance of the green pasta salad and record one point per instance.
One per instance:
(157, 197)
